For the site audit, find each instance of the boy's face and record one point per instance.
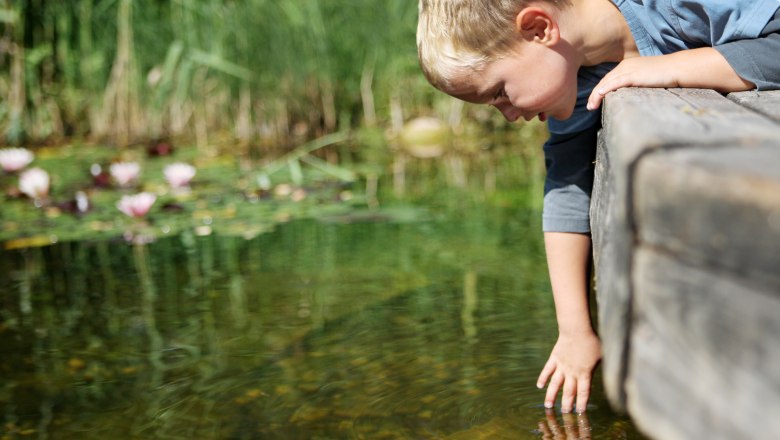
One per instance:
(531, 81)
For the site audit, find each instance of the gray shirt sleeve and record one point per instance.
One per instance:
(569, 154)
(757, 60)
(569, 161)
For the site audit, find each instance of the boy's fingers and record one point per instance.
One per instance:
(569, 391)
(548, 370)
(594, 101)
(609, 83)
(583, 393)
(552, 389)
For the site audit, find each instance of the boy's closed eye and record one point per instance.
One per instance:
(500, 93)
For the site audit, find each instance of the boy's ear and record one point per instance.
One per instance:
(537, 24)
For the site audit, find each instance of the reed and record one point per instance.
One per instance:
(129, 70)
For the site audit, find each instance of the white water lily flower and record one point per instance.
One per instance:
(34, 183)
(179, 174)
(125, 173)
(14, 159)
(264, 182)
(138, 205)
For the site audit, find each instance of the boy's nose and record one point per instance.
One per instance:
(510, 112)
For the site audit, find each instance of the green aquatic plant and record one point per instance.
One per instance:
(345, 176)
(227, 198)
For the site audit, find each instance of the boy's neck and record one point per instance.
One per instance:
(599, 32)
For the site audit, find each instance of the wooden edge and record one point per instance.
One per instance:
(767, 103)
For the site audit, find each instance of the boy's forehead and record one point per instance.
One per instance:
(470, 86)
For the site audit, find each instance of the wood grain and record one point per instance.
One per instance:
(766, 103)
(704, 353)
(719, 208)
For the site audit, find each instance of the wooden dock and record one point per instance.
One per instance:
(686, 232)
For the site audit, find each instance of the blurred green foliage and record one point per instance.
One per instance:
(246, 88)
(130, 69)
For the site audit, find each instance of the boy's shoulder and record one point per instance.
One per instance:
(665, 26)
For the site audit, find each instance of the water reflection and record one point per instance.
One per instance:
(148, 299)
(574, 426)
(425, 330)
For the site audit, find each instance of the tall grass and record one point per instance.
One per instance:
(128, 70)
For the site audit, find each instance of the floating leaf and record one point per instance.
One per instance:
(28, 242)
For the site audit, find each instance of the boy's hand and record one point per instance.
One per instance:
(658, 71)
(571, 367)
(703, 68)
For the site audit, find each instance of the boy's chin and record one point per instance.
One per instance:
(562, 114)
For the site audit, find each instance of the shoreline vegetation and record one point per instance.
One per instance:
(262, 97)
(129, 70)
(274, 72)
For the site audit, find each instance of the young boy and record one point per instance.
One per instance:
(557, 59)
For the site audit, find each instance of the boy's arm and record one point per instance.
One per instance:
(702, 68)
(578, 349)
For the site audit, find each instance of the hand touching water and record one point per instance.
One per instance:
(578, 350)
(570, 368)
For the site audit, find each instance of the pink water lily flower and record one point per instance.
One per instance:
(125, 173)
(138, 205)
(34, 183)
(15, 159)
(179, 174)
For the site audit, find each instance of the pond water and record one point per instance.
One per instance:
(351, 327)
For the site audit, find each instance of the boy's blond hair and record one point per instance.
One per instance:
(461, 36)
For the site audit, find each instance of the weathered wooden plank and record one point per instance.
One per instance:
(704, 353)
(718, 207)
(611, 266)
(766, 103)
(637, 122)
